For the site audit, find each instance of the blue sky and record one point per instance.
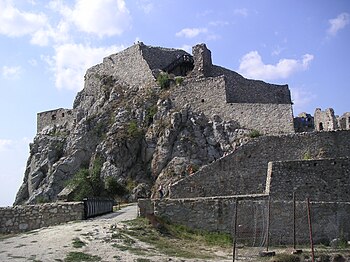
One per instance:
(46, 47)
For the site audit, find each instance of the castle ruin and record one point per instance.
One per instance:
(286, 160)
(210, 89)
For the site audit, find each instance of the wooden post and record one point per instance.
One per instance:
(235, 231)
(294, 232)
(268, 225)
(310, 230)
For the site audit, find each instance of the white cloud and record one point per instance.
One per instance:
(146, 6)
(241, 12)
(218, 23)
(71, 61)
(338, 23)
(5, 144)
(15, 23)
(191, 32)
(11, 72)
(59, 34)
(103, 17)
(252, 66)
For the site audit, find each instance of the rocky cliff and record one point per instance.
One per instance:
(127, 120)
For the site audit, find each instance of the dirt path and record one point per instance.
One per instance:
(97, 236)
(55, 242)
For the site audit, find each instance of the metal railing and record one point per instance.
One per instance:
(97, 206)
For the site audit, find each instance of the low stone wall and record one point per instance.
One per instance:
(28, 217)
(329, 219)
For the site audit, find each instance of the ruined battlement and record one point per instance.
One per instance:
(60, 116)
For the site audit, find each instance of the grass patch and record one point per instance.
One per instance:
(286, 258)
(134, 250)
(175, 240)
(77, 243)
(163, 80)
(254, 133)
(80, 257)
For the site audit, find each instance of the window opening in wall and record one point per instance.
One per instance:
(53, 117)
(320, 126)
(202, 100)
(62, 114)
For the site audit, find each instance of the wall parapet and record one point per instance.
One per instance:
(23, 218)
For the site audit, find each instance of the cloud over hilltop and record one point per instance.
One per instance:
(252, 66)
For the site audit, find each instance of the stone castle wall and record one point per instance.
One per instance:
(330, 219)
(28, 217)
(208, 95)
(242, 90)
(246, 168)
(59, 116)
(322, 180)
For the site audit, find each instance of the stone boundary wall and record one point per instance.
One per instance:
(208, 95)
(28, 217)
(245, 170)
(330, 219)
(321, 180)
(59, 116)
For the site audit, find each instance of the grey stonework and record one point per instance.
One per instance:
(24, 218)
(344, 121)
(245, 170)
(325, 120)
(202, 61)
(61, 116)
(325, 182)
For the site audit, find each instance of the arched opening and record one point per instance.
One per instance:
(320, 126)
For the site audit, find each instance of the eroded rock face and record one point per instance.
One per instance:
(142, 138)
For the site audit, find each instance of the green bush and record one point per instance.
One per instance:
(88, 183)
(113, 188)
(179, 80)
(254, 133)
(133, 130)
(163, 80)
(307, 156)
